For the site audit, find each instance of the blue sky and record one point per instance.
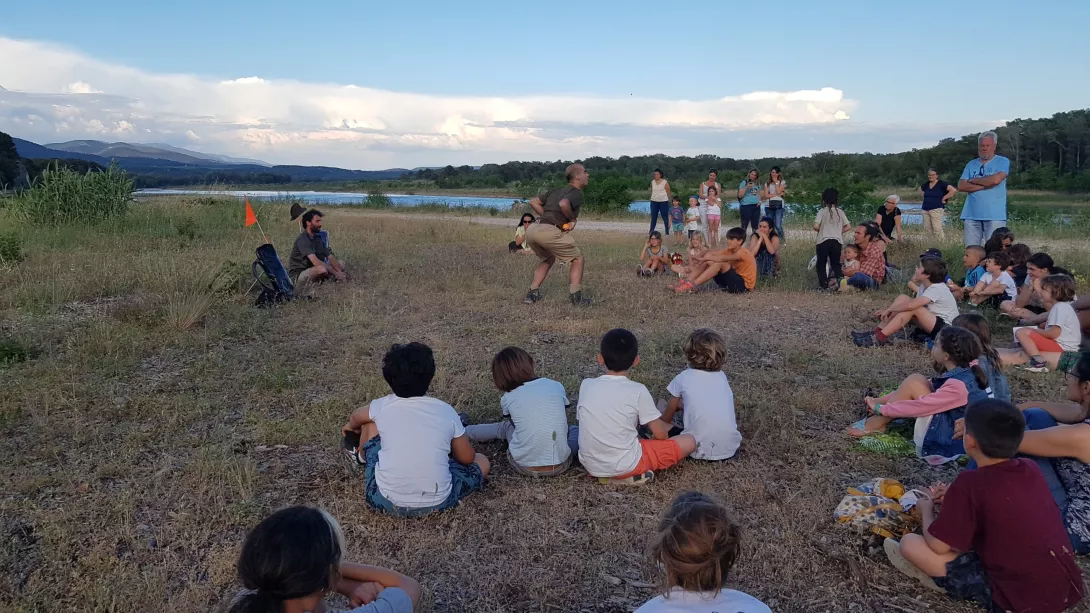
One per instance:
(907, 73)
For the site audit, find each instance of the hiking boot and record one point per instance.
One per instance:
(533, 296)
(578, 300)
(464, 418)
(1036, 364)
(863, 339)
(353, 454)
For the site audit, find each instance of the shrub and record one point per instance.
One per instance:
(13, 352)
(607, 193)
(63, 196)
(377, 199)
(11, 249)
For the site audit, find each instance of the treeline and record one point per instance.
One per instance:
(17, 172)
(1045, 154)
(154, 179)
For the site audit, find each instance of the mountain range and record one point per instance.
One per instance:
(159, 165)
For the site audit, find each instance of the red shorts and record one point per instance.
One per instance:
(1045, 345)
(657, 455)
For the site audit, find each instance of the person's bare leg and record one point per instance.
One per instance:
(914, 387)
(1012, 357)
(542, 271)
(916, 550)
(575, 275)
(481, 461)
(1025, 339)
(367, 432)
(686, 442)
(924, 319)
(714, 268)
(900, 301)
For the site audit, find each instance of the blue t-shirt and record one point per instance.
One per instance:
(987, 204)
(752, 194)
(973, 276)
(676, 214)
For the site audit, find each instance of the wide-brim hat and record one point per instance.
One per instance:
(297, 210)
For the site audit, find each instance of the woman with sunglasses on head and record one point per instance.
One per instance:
(519, 244)
(772, 194)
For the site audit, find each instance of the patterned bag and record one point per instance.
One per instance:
(874, 508)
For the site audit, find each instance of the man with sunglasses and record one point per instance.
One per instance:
(985, 181)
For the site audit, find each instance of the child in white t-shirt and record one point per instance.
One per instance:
(692, 217)
(1042, 346)
(537, 431)
(703, 394)
(611, 408)
(697, 544)
(416, 454)
(997, 284)
(932, 310)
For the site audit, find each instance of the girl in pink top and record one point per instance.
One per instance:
(936, 402)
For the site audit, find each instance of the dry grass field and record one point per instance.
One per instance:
(156, 416)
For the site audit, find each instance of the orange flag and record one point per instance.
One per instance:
(251, 219)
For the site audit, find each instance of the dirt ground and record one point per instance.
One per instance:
(137, 449)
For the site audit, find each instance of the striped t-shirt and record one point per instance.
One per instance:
(538, 411)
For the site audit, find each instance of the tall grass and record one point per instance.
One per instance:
(63, 196)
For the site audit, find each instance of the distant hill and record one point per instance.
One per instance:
(168, 166)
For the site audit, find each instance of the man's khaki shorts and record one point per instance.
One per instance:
(548, 241)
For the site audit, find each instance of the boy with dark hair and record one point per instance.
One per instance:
(974, 270)
(999, 541)
(733, 269)
(932, 310)
(996, 284)
(416, 454)
(611, 407)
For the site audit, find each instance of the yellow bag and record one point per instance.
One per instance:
(874, 508)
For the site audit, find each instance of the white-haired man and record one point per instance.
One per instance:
(888, 219)
(985, 180)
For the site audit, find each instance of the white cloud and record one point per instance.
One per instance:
(48, 97)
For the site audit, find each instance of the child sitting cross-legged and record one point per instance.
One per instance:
(697, 544)
(537, 431)
(611, 407)
(931, 311)
(292, 560)
(703, 395)
(733, 269)
(998, 540)
(654, 258)
(996, 285)
(697, 248)
(416, 454)
(974, 270)
(1044, 345)
(936, 402)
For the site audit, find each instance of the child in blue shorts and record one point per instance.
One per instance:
(414, 448)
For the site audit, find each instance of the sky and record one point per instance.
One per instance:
(358, 84)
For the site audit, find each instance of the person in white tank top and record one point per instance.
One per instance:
(660, 201)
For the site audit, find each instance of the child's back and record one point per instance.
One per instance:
(413, 468)
(538, 412)
(610, 408)
(1006, 515)
(706, 398)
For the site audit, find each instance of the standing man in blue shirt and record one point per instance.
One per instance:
(985, 180)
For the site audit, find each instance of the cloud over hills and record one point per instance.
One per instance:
(51, 93)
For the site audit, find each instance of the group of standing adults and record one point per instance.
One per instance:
(752, 194)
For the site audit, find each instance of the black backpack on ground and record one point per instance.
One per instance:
(276, 287)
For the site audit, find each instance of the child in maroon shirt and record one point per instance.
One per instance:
(1000, 541)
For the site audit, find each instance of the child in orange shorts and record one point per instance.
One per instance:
(611, 407)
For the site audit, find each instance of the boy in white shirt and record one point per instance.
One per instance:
(931, 311)
(416, 454)
(611, 407)
(997, 284)
(1044, 345)
(703, 394)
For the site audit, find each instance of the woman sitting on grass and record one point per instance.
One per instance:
(292, 560)
(764, 244)
(519, 245)
(989, 357)
(1044, 345)
(936, 402)
(1028, 306)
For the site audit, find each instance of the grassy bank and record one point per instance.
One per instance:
(149, 416)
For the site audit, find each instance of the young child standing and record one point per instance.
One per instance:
(989, 357)
(733, 269)
(999, 540)
(610, 409)
(936, 402)
(537, 431)
(292, 560)
(830, 224)
(931, 311)
(654, 258)
(697, 544)
(974, 270)
(995, 285)
(416, 454)
(1043, 346)
(677, 221)
(703, 394)
(715, 214)
(692, 217)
